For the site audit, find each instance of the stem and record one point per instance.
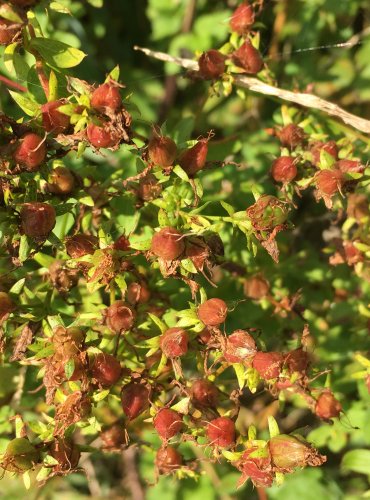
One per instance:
(14, 85)
(44, 81)
(307, 100)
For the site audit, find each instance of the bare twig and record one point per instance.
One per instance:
(306, 100)
(131, 478)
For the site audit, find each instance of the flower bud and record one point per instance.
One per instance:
(291, 136)
(168, 243)
(61, 181)
(174, 342)
(162, 151)
(38, 219)
(31, 152)
(256, 287)
(204, 394)
(248, 58)
(211, 65)
(167, 460)
(242, 19)
(106, 97)
(240, 347)
(134, 399)
(120, 317)
(221, 432)
(284, 169)
(327, 406)
(167, 423)
(81, 244)
(288, 452)
(268, 364)
(54, 121)
(193, 159)
(106, 369)
(212, 312)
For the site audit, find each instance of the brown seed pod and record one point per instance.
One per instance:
(66, 453)
(248, 58)
(297, 361)
(291, 136)
(102, 136)
(350, 166)
(120, 317)
(168, 459)
(268, 364)
(138, 293)
(221, 432)
(162, 151)
(256, 287)
(61, 181)
(242, 19)
(37, 219)
(204, 394)
(240, 347)
(289, 452)
(31, 152)
(54, 121)
(193, 159)
(149, 188)
(167, 423)
(114, 437)
(106, 369)
(327, 406)
(174, 342)
(358, 206)
(168, 243)
(122, 243)
(212, 312)
(134, 399)
(284, 169)
(330, 147)
(81, 244)
(329, 182)
(211, 65)
(106, 97)
(6, 304)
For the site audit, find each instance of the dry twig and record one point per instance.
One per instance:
(248, 82)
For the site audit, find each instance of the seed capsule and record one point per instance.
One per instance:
(327, 406)
(240, 347)
(211, 64)
(120, 317)
(54, 121)
(193, 159)
(204, 394)
(242, 19)
(31, 152)
(38, 219)
(268, 364)
(284, 169)
(168, 243)
(174, 342)
(167, 423)
(106, 97)
(221, 432)
(162, 151)
(248, 58)
(134, 399)
(168, 460)
(212, 312)
(81, 244)
(106, 369)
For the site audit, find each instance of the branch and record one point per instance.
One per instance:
(306, 100)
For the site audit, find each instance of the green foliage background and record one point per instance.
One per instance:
(107, 33)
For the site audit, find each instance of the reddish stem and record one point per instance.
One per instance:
(14, 85)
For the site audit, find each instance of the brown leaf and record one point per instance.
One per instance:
(23, 341)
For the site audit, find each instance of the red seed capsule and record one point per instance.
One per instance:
(167, 423)
(81, 244)
(174, 342)
(101, 136)
(113, 437)
(256, 287)
(61, 181)
(204, 394)
(167, 460)
(258, 468)
(212, 312)
(291, 136)
(162, 151)
(31, 152)
(330, 147)
(327, 406)
(221, 432)
(358, 206)
(268, 364)
(193, 159)
(205, 336)
(8, 31)
(329, 182)
(122, 243)
(288, 452)
(106, 369)
(168, 243)
(240, 347)
(106, 97)
(284, 169)
(66, 453)
(242, 19)
(138, 293)
(134, 399)
(38, 219)
(6, 304)
(297, 361)
(248, 58)
(120, 317)
(54, 121)
(149, 188)
(211, 64)
(350, 166)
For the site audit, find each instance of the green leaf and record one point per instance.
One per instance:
(357, 461)
(27, 105)
(58, 7)
(9, 52)
(113, 75)
(161, 325)
(24, 248)
(273, 427)
(180, 173)
(69, 368)
(53, 87)
(57, 54)
(229, 209)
